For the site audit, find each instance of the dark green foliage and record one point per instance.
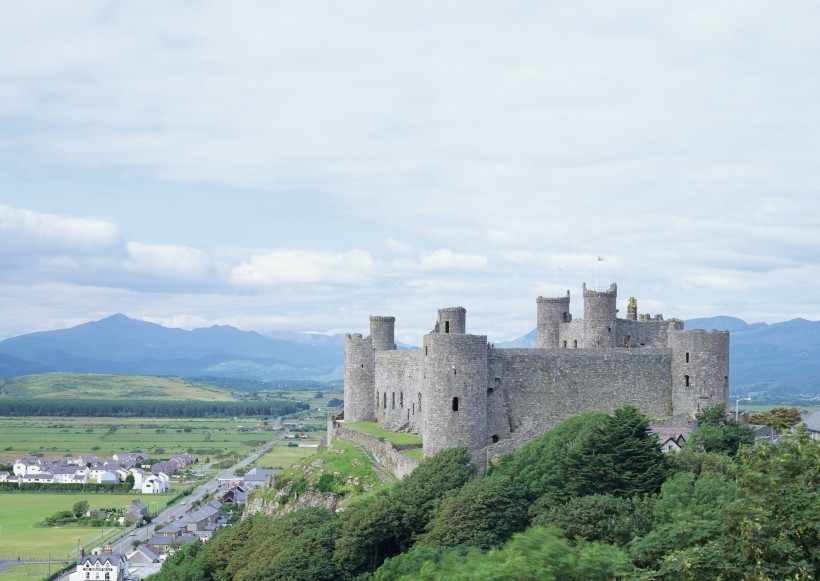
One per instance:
(482, 514)
(690, 460)
(80, 508)
(420, 493)
(369, 533)
(145, 408)
(590, 454)
(537, 554)
(335, 402)
(718, 432)
(599, 517)
(549, 464)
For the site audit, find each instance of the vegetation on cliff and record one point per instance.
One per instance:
(591, 499)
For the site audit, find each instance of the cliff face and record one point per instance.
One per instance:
(326, 480)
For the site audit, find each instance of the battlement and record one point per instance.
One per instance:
(611, 292)
(554, 300)
(354, 337)
(381, 319)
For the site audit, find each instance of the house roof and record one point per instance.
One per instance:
(813, 422)
(115, 559)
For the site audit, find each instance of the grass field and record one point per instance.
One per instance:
(22, 535)
(99, 386)
(30, 572)
(105, 436)
(283, 456)
(374, 429)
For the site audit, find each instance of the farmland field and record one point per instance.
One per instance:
(101, 386)
(23, 535)
(105, 436)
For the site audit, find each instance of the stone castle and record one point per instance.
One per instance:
(459, 390)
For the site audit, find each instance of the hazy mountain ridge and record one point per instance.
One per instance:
(778, 358)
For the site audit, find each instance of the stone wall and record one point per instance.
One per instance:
(533, 390)
(398, 381)
(385, 454)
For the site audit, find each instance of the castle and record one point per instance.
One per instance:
(458, 390)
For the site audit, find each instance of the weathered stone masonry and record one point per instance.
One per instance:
(457, 390)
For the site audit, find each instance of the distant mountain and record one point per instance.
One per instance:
(121, 345)
(782, 358)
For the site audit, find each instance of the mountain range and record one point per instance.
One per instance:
(775, 358)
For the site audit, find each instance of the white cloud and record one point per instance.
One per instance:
(445, 258)
(304, 267)
(167, 261)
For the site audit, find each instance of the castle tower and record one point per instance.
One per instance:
(382, 330)
(700, 370)
(632, 309)
(454, 387)
(600, 317)
(452, 320)
(551, 313)
(360, 379)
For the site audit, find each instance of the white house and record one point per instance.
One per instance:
(101, 567)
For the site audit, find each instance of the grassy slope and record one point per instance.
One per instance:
(374, 429)
(95, 386)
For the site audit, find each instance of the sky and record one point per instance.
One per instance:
(302, 166)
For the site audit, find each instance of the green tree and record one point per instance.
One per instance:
(80, 508)
(483, 514)
(369, 533)
(537, 553)
(781, 419)
(599, 517)
(718, 432)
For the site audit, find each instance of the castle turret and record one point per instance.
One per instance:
(551, 313)
(452, 320)
(454, 387)
(360, 379)
(600, 315)
(382, 330)
(700, 370)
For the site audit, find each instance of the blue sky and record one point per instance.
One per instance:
(281, 166)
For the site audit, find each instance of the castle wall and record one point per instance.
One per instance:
(653, 333)
(398, 385)
(454, 391)
(360, 379)
(700, 370)
(544, 387)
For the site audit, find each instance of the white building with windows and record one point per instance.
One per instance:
(101, 567)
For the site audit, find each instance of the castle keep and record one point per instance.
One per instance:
(458, 390)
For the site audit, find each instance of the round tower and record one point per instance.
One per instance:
(382, 331)
(452, 320)
(454, 391)
(600, 317)
(700, 370)
(360, 379)
(551, 313)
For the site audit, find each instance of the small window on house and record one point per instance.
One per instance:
(494, 438)
(455, 404)
(446, 326)
(687, 357)
(686, 380)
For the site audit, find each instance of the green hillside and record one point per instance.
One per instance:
(95, 386)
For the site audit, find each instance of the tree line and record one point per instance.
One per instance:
(145, 408)
(593, 498)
